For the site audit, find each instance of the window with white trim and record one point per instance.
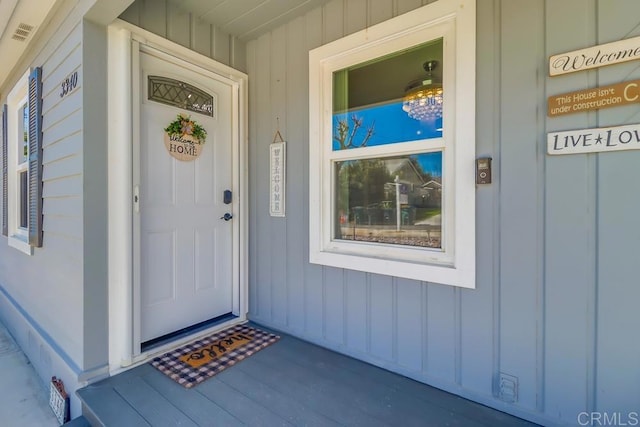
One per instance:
(392, 147)
(22, 168)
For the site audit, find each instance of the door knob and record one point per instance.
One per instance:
(226, 216)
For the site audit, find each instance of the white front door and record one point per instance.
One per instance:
(185, 247)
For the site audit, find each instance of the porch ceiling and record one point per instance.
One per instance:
(247, 19)
(19, 22)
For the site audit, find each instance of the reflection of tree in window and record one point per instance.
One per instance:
(346, 133)
(362, 183)
(393, 200)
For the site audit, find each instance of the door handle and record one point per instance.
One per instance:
(136, 199)
(226, 216)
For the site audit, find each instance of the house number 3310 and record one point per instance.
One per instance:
(69, 84)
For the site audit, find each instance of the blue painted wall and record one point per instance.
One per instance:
(558, 240)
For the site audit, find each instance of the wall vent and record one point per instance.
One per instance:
(22, 32)
(507, 388)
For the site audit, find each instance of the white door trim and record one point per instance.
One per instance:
(125, 42)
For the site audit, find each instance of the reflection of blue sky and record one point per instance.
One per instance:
(391, 125)
(430, 162)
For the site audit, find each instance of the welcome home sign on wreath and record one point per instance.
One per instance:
(184, 138)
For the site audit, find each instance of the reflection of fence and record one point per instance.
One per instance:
(382, 214)
(422, 236)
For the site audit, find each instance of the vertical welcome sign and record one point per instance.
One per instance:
(277, 179)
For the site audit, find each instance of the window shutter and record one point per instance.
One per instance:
(35, 158)
(5, 165)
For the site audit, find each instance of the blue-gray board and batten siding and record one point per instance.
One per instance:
(554, 313)
(288, 383)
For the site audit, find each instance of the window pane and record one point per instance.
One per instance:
(24, 200)
(389, 100)
(23, 152)
(392, 200)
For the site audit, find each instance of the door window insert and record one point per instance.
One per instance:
(180, 94)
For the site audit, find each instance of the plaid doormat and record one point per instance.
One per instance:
(193, 363)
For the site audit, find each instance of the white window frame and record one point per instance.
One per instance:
(454, 264)
(18, 237)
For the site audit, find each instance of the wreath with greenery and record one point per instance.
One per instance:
(183, 125)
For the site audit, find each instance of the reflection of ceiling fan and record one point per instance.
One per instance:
(423, 97)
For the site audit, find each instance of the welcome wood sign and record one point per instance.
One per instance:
(594, 57)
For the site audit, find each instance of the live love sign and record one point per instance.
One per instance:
(582, 141)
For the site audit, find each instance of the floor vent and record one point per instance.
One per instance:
(22, 32)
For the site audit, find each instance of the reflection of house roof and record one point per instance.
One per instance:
(432, 185)
(394, 166)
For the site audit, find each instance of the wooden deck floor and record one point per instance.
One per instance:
(289, 383)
